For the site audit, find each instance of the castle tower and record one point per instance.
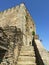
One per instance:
(18, 39)
(18, 16)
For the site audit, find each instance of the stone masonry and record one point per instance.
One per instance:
(19, 44)
(18, 16)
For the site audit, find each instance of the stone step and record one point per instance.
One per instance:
(27, 58)
(25, 63)
(26, 54)
(29, 53)
(27, 47)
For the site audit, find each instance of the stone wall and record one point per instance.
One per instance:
(13, 17)
(18, 16)
(15, 42)
(3, 40)
(41, 53)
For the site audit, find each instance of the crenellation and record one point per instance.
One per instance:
(1, 14)
(8, 11)
(11, 11)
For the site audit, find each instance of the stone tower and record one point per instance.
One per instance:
(18, 16)
(19, 44)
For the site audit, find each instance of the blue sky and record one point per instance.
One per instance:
(39, 10)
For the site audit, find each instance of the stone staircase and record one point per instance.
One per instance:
(27, 56)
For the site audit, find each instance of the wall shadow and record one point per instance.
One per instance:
(2, 54)
(38, 57)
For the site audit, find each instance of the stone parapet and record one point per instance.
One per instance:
(44, 56)
(36, 36)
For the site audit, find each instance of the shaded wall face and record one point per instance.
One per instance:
(14, 36)
(30, 27)
(30, 23)
(39, 61)
(2, 53)
(13, 33)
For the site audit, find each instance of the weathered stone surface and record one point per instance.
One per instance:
(15, 41)
(3, 39)
(18, 16)
(16, 38)
(43, 53)
(27, 57)
(27, 50)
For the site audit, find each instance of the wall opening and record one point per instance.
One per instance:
(30, 43)
(2, 53)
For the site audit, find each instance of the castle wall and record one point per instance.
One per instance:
(30, 27)
(18, 16)
(14, 17)
(43, 53)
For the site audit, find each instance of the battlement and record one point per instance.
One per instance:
(12, 9)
